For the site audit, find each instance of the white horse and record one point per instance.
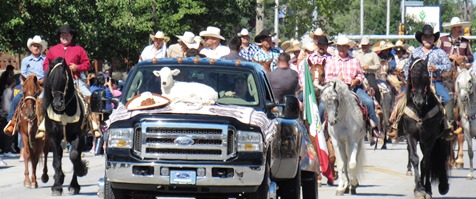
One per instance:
(347, 128)
(466, 89)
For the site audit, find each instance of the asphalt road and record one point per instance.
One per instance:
(384, 177)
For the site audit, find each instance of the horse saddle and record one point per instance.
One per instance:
(363, 109)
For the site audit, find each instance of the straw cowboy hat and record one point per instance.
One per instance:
(427, 30)
(456, 21)
(188, 38)
(68, 29)
(159, 35)
(287, 44)
(365, 41)
(262, 35)
(296, 46)
(244, 32)
(212, 32)
(309, 47)
(37, 40)
(147, 100)
(400, 46)
(343, 40)
(317, 32)
(382, 45)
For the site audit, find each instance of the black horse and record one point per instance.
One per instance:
(423, 122)
(64, 122)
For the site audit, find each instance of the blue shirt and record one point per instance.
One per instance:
(436, 56)
(262, 56)
(31, 65)
(248, 54)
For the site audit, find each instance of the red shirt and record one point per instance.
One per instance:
(349, 68)
(73, 54)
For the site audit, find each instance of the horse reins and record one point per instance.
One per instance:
(66, 86)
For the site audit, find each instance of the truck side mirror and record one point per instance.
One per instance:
(98, 104)
(291, 107)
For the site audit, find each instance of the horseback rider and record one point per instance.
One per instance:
(395, 77)
(77, 59)
(30, 65)
(348, 69)
(438, 63)
(370, 63)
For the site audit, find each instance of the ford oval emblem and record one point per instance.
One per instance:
(184, 141)
(183, 175)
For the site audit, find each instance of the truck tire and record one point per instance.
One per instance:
(291, 188)
(263, 189)
(309, 185)
(111, 193)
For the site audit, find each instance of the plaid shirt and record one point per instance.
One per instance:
(248, 54)
(262, 56)
(315, 59)
(349, 68)
(436, 56)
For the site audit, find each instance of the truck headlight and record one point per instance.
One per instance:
(249, 141)
(120, 137)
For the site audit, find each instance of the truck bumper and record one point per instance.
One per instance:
(148, 176)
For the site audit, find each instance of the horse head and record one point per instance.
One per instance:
(464, 85)
(419, 82)
(59, 88)
(330, 98)
(31, 90)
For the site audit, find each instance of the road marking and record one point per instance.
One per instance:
(386, 171)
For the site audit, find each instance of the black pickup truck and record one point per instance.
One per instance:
(244, 145)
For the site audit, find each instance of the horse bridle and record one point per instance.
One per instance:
(334, 98)
(65, 88)
(411, 81)
(30, 97)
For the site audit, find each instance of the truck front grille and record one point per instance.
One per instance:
(184, 141)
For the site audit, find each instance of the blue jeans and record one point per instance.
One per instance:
(366, 100)
(442, 92)
(82, 87)
(13, 106)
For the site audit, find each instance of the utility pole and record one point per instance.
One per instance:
(259, 15)
(403, 11)
(361, 17)
(276, 21)
(388, 17)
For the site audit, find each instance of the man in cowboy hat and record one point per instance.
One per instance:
(185, 42)
(318, 33)
(316, 56)
(156, 50)
(30, 65)
(438, 62)
(266, 56)
(400, 61)
(234, 44)
(457, 47)
(293, 48)
(213, 47)
(348, 69)
(370, 63)
(248, 49)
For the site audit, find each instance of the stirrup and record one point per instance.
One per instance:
(97, 134)
(10, 128)
(393, 133)
(40, 135)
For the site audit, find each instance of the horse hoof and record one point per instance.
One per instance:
(409, 173)
(420, 194)
(74, 190)
(469, 177)
(443, 188)
(45, 178)
(339, 192)
(56, 193)
(353, 191)
(34, 185)
(459, 165)
(319, 183)
(384, 146)
(27, 184)
(427, 196)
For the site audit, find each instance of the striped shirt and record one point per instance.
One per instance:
(348, 68)
(248, 54)
(436, 56)
(314, 58)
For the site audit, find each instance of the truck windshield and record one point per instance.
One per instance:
(236, 86)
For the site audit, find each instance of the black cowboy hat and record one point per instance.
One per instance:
(262, 35)
(68, 29)
(324, 41)
(426, 30)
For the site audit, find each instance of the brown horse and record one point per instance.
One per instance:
(28, 123)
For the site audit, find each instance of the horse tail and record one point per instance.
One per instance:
(439, 166)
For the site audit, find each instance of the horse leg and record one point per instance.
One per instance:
(419, 191)
(79, 166)
(467, 135)
(57, 189)
(354, 169)
(409, 165)
(45, 150)
(26, 158)
(459, 163)
(34, 163)
(340, 168)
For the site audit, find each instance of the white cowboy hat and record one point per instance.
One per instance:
(160, 35)
(343, 40)
(188, 38)
(147, 100)
(456, 21)
(212, 32)
(365, 40)
(317, 32)
(399, 44)
(275, 40)
(310, 47)
(244, 32)
(37, 40)
(287, 44)
(382, 45)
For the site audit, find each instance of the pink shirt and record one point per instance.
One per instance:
(73, 54)
(349, 68)
(314, 58)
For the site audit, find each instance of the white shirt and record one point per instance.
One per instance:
(149, 52)
(7, 99)
(219, 52)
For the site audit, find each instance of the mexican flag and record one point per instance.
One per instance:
(311, 115)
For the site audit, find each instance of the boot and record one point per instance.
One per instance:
(393, 131)
(94, 120)
(40, 134)
(11, 126)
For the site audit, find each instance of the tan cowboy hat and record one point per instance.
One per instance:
(159, 35)
(382, 45)
(212, 32)
(188, 38)
(343, 40)
(309, 47)
(365, 40)
(296, 46)
(287, 44)
(456, 21)
(399, 45)
(147, 100)
(244, 32)
(317, 32)
(37, 40)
